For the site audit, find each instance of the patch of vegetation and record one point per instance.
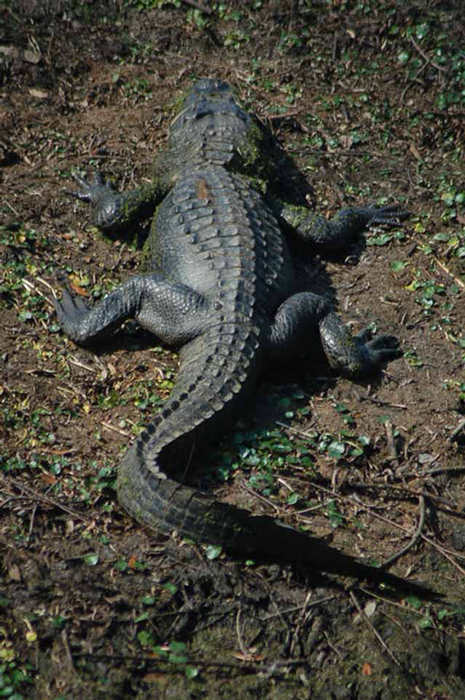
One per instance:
(272, 458)
(16, 679)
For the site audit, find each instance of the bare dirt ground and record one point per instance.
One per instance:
(369, 99)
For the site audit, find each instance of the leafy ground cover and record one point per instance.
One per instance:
(369, 97)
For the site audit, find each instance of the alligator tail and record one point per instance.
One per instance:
(150, 478)
(216, 375)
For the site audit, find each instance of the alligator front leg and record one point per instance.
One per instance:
(172, 312)
(113, 211)
(333, 234)
(305, 316)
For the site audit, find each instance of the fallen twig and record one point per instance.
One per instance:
(441, 470)
(457, 430)
(394, 457)
(415, 537)
(402, 490)
(366, 619)
(34, 496)
(198, 6)
(444, 267)
(379, 402)
(428, 60)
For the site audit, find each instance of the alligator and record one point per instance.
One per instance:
(220, 286)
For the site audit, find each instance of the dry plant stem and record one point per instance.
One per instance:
(299, 607)
(415, 537)
(373, 629)
(394, 457)
(379, 402)
(263, 499)
(428, 60)
(331, 645)
(446, 552)
(393, 603)
(457, 430)
(239, 634)
(113, 428)
(73, 361)
(450, 559)
(410, 493)
(150, 661)
(33, 495)
(306, 613)
(67, 649)
(423, 67)
(442, 470)
(405, 91)
(31, 524)
(198, 6)
(444, 267)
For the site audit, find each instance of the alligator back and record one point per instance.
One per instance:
(214, 233)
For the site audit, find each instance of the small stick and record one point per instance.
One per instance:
(198, 6)
(401, 490)
(416, 536)
(379, 402)
(444, 267)
(442, 470)
(449, 558)
(108, 426)
(428, 60)
(284, 115)
(37, 497)
(373, 629)
(391, 443)
(457, 430)
(240, 639)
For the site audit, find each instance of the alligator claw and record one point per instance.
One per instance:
(91, 191)
(391, 215)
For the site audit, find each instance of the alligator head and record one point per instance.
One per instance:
(209, 128)
(207, 102)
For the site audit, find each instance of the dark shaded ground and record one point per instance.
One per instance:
(369, 98)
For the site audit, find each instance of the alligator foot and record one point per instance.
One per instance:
(379, 350)
(93, 191)
(391, 215)
(72, 311)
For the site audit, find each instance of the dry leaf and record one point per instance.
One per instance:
(14, 573)
(48, 478)
(415, 152)
(370, 608)
(31, 57)
(40, 94)
(249, 655)
(78, 290)
(156, 678)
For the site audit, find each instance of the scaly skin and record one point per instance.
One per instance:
(220, 287)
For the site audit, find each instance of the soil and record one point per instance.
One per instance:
(92, 605)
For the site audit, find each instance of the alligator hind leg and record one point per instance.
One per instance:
(172, 312)
(304, 316)
(333, 234)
